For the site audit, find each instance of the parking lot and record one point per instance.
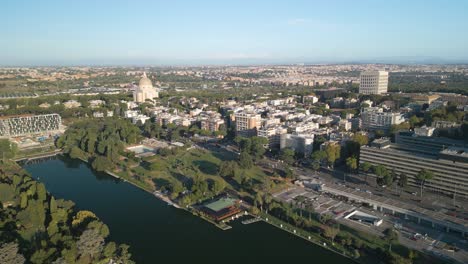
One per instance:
(413, 235)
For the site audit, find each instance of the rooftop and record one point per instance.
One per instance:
(220, 204)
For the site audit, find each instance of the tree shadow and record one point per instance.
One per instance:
(207, 167)
(161, 183)
(180, 177)
(224, 155)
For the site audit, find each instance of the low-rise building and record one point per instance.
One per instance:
(72, 104)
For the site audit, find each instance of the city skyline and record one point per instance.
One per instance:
(208, 32)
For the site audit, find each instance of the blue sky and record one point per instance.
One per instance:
(49, 32)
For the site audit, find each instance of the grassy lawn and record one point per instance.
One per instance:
(158, 171)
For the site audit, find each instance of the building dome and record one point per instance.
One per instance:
(145, 82)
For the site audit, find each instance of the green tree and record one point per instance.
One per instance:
(7, 193)
(218, 186)
(351, 163)
(228, 168)
(287, 155)
(330, 232)
(361, 139)
(91, 243)
(315, 165)
(333, 153)
(52, 205)
(366, 167)
(41, 192)
(422, 176)
(245, 160)
(243, 143)
(380, 170)
(9, 254)
(101, 163)
(391, 236)
(8, 149)
(403, 180)
(257, 147)
(319, 156)
(109, 249)
(23, 200)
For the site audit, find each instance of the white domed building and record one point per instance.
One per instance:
(145, 90)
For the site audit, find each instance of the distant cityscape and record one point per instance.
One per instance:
(364, 146)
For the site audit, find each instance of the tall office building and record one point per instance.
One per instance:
(373, 82)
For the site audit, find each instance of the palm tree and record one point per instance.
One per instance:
(299, 202)
(351, 163)
(267, 201)
(423, 176)
(259, 200)
(310, 209)
(366, 167)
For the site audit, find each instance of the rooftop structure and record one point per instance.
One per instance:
(428, 145)
(221, 208)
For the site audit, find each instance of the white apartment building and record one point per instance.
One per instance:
(273, 134)
(29, 124)
(373, 82)
(345, 125)
(374, 118)
(302, 127)
(300, 143)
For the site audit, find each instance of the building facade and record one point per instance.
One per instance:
(374, 118)
(411, 141)
(247, 123)
(299, 143)
(30, 124)
(272, 134)
(211, 125)
(450, 167)
(145, 90)
(373, 82)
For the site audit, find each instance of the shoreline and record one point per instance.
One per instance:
(297, 234)
(166, 199)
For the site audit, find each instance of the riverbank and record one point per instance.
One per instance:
(271, 220)
(45, 154)
(156, 231)
(222, 225)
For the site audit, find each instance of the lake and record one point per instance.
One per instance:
(158, 233)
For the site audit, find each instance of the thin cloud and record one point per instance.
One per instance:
(297, 21)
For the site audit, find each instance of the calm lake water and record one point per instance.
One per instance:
(158, 233)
